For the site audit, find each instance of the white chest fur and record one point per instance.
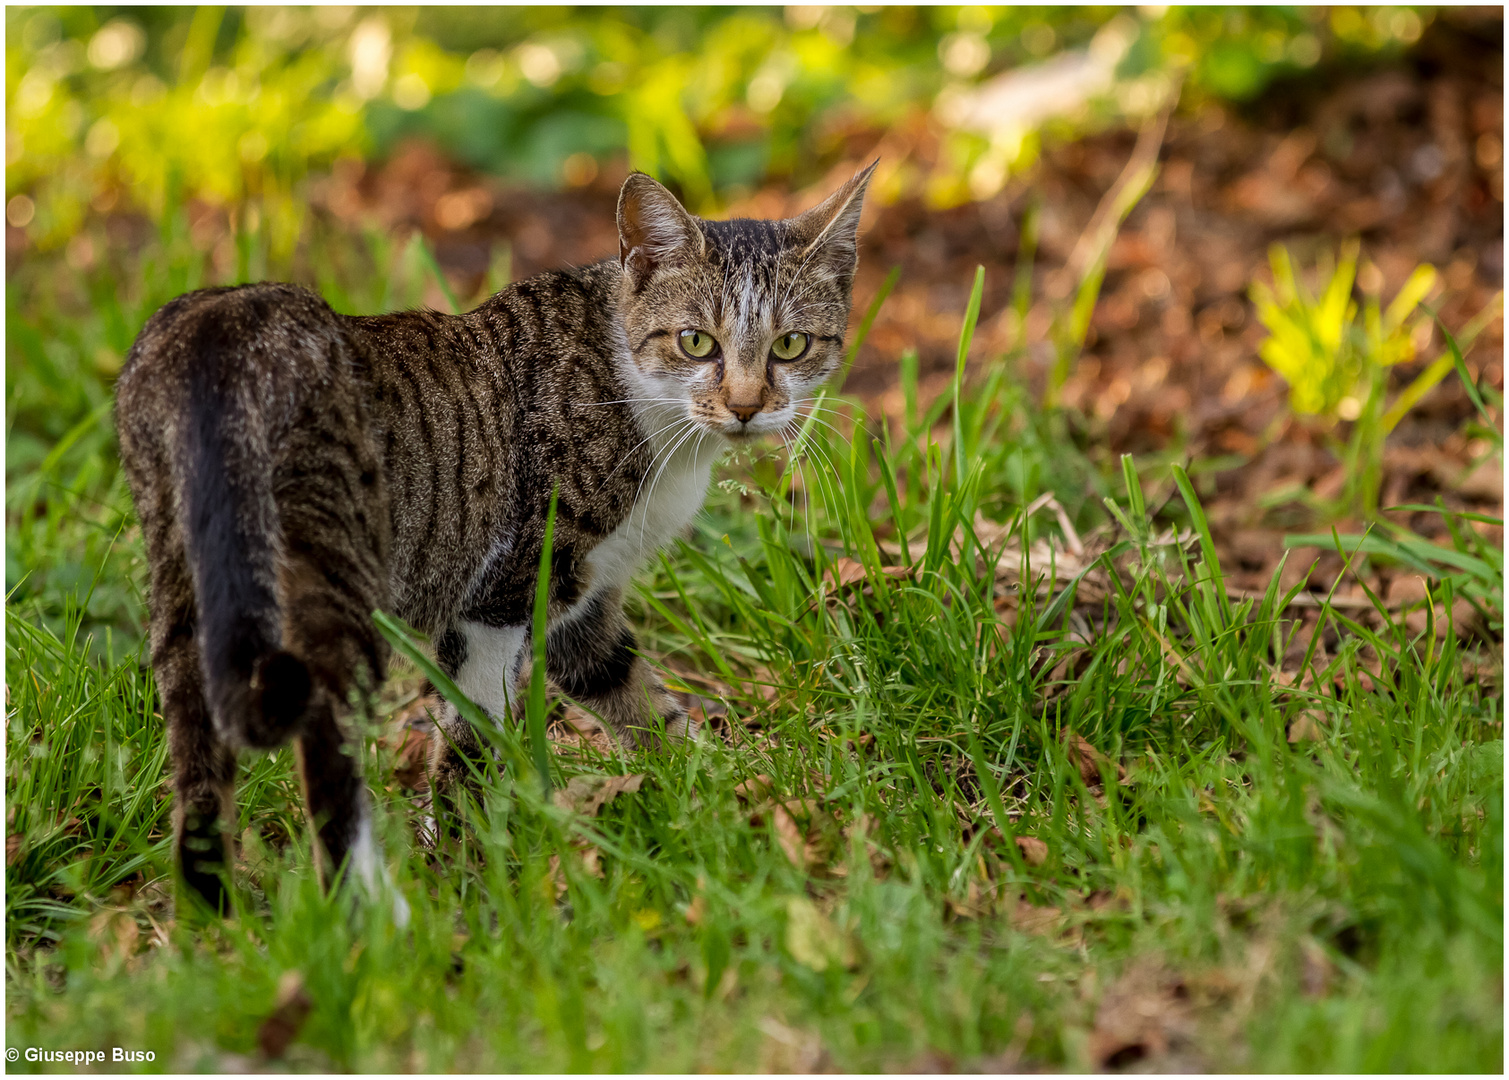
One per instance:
(668, 499)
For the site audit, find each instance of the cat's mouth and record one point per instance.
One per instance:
(749, 431)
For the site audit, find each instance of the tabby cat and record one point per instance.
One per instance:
(295, 470)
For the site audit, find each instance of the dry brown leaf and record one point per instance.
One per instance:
(13, 844)
(1103, 900)
(1140, 1017)
(1034, 851)
(859, 831)
(1032, 919)
(1316, 969)
(592, 860)
(791, 838)
(802, 809)
(290, 1009)
(589, 794)
(554, 883)
(1304, 728)
(1089, 760)
(974, 905)
(846, 571)
(411, 759)
(117, 933)
(755, 789)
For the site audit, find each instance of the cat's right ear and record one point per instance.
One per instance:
(653, 228)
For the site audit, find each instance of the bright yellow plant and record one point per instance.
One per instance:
(1337, 364)
(1333, 362)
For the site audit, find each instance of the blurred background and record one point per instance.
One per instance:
(1161, 198)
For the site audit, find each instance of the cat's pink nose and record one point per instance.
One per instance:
(745, 413)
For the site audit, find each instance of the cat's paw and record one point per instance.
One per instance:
(681, 726)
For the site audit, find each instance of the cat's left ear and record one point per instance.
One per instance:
(830, 229)
(653, 228)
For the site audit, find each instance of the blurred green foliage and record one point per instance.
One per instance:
(142, 106)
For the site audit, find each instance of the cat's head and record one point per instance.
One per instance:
(740, 320)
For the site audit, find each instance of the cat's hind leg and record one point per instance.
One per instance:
(204, 766)
(332, 576)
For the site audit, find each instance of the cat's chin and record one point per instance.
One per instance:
(742, 436)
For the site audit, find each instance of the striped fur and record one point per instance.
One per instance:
(295, 470)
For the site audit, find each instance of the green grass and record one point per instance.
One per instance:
(1329, 904)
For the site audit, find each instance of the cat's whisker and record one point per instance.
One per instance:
(650, 497)
(819, 420)
(798, 463)
(812, 464)
(809, 448)
(821, 459)
(654, 456)
(628, 401)
(663, 451)
(630, 455)
(687, 422)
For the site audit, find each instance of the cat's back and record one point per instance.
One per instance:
(259, 347)
(482, 414)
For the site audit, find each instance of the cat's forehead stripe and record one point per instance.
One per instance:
(745, 239)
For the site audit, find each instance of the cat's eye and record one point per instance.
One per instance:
(789, 346)
(698, 344)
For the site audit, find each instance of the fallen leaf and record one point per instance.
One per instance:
(974, 904)
(846, 571)
(1088, 760)
(858, 833)
(789, 1050)
(1140, 1017)
(790, 837)
(290, 1009)
(1303, 728)
(589, 794)
(117, 933)
(1032, 919)
(1034, 851)
(755, 789)
(553, 885)
(812, 939)
(1316, 969)
(13, 844)
(411, 759)
(1101, 900)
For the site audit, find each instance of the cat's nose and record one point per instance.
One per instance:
(745, 413)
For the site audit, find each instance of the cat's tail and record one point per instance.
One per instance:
(257, 692)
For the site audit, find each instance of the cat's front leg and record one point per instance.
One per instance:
(485, 662)
(591, 656)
